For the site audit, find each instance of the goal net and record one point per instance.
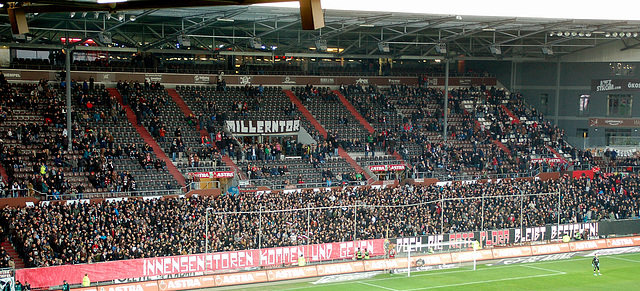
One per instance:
(443, 255)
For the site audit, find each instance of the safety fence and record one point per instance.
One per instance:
(300, 272)
(530, 241)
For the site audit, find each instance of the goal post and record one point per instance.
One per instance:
(442, 255)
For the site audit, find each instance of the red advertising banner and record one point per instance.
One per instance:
(223, 174)
(396, 167)
(228, 279)
(381, 168)
(240, 278)
(549, 249)
(205, 175)
(480, 255)
(137, 286)
(139, 268)
(186, 283)
(320, 252)
(502, 253)
(377, 168)
(623, 242)
(208, 175)
(341, 268)
(439, 259)
(376, 265)
(292, 273)
(587, 245)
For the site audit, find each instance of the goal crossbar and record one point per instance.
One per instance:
(419, 249)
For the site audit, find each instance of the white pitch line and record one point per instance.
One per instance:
(543, 269)
(623, 259)
(436, 273)
(378, 286)
(482, 282)
(625, 254)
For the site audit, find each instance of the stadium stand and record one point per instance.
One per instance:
(281, 162)
(172, 226)
(340, 124)
(126, 151)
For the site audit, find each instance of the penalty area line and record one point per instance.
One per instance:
(378, 286)
(485, 281)
(623, 259)
(543, 269)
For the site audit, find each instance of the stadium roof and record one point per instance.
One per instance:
(142, 25)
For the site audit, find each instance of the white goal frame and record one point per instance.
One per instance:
(469, 244)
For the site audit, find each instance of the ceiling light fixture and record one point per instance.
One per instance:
(588, 34)
(615, 34)
(495, 49)
(607, 34)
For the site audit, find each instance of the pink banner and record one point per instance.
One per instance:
(201, 174)
(207, 175)
(380, 168)
(138, 268)
(224, 174)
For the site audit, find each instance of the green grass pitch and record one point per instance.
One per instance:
(619, 272)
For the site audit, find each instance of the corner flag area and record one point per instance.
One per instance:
(619, 272)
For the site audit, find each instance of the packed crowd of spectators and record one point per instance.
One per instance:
(79, 233)
(6, 261)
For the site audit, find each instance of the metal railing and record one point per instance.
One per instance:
(622, 169)
(121, 194)
(252, 184)
(188, 169)
(381, 162)
(203, 185)
(464, 176)
(602, 141)
(103, 195)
